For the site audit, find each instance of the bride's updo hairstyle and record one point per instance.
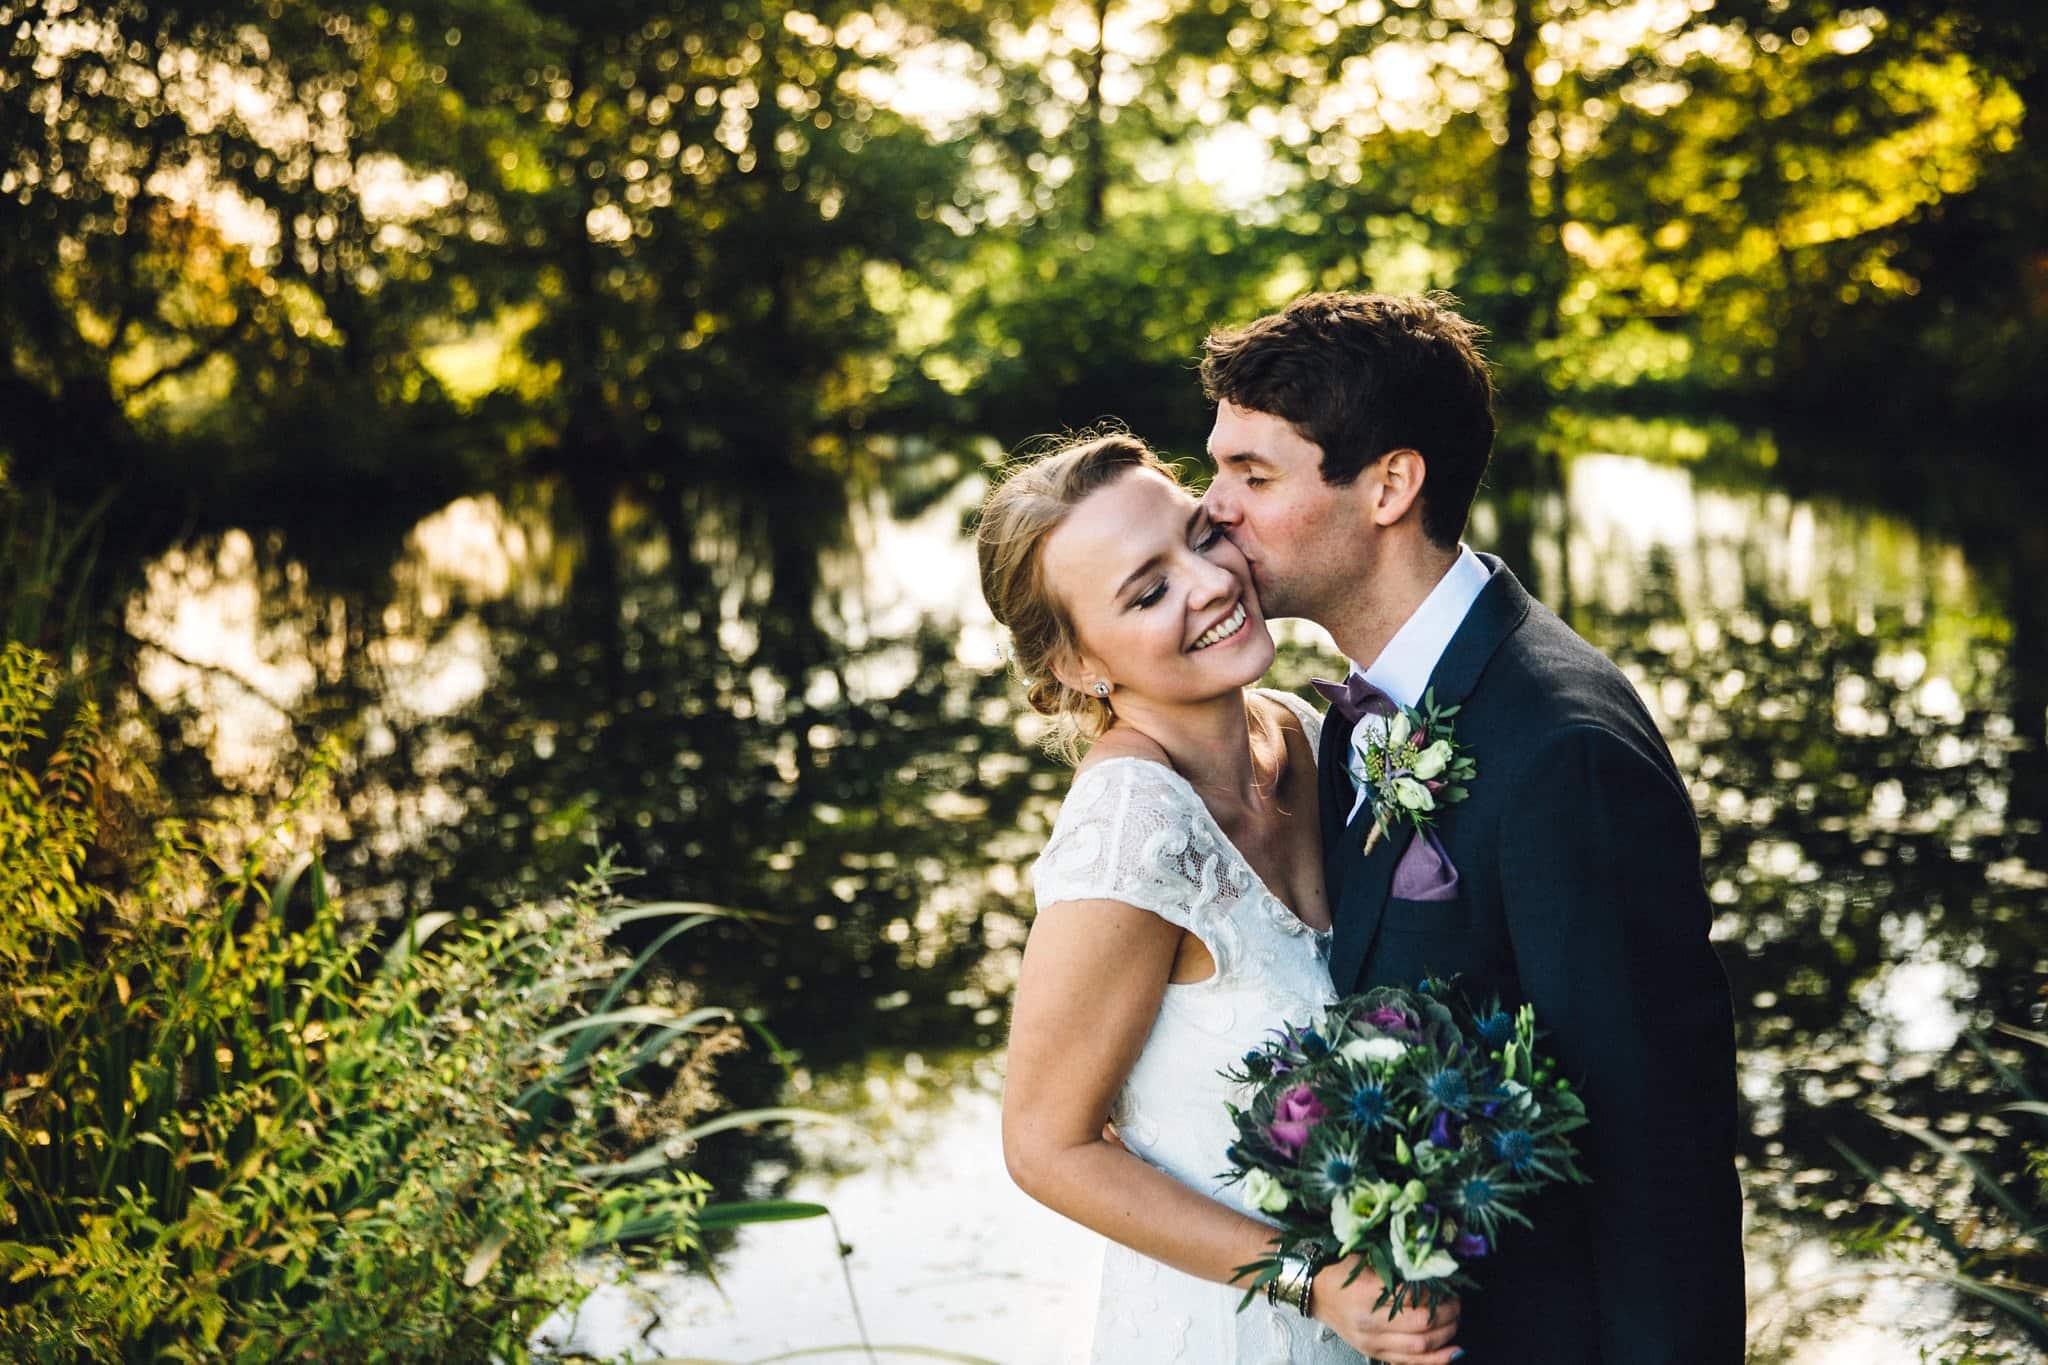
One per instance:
(1016, 518)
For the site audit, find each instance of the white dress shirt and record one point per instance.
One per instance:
(1403, 667)
(1402, 670)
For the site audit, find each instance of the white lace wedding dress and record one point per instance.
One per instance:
(1134, 831)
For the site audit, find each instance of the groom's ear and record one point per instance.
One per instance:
(1397, 486)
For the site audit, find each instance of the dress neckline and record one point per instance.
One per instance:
(1292, 922)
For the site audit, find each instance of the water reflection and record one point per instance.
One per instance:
(789, 703)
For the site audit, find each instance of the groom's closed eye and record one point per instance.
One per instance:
(1202, 532)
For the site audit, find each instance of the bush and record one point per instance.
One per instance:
(233, 1129)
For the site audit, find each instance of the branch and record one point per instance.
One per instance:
(137, 208)
(199, 354)
(216, 670)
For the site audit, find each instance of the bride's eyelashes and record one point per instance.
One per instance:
(1204, 541)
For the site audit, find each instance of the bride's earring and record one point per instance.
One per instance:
(1102, 689)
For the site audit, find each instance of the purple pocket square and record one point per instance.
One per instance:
(1425, 872)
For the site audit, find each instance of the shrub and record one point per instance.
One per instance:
(233, 1128)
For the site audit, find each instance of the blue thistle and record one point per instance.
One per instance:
(1479, 1208)
(1332, 1162)
(1368, 1107)
(1313, 1046)
(1515, 1149)
(1257, 1066)
(1448, 1090)
(1496, 1029)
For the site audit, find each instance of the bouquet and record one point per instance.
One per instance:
(1403, 1128)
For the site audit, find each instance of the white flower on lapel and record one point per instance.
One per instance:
(1407, 766)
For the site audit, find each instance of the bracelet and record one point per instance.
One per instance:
(1295, 1283)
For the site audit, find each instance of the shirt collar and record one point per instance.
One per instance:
(1402, 670)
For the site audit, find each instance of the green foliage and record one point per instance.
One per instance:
(232, 1130)
(763, 243)
(1994, 1254)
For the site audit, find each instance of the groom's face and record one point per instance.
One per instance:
(1298, 533)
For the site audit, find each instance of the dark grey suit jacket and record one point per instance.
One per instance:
(1580, 893)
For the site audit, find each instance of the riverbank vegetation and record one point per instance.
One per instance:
(237, 1126)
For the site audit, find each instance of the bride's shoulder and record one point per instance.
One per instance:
(1122, 767)
(1291, 712)
(1122, 743)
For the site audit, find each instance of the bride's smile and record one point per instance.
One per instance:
(1162, 602)
(1229, 628)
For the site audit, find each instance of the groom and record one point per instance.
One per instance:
(1351, 433)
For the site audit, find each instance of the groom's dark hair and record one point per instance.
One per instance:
(1363, 374)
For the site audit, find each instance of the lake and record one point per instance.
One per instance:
(789, 699)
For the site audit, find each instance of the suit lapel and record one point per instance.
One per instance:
(1501, 606)
(1333, 794)
(1358, 884)
(1367, 880)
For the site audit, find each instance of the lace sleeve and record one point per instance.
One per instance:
(1132, 830)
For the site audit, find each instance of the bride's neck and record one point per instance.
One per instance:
(1209, 744)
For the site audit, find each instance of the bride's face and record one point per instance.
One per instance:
(1161, 602)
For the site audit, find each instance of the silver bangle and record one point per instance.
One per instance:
(1294, 1284)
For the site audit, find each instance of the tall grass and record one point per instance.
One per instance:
(1995, 1254)
(233, 1129)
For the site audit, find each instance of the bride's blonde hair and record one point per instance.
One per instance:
(1017, 516)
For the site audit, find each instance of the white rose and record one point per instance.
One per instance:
(1265, 1193)
(1373, 1050)
(1413, 794)
(1398, 730)
(1433, 760)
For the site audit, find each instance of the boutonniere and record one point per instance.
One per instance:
(1412, 764)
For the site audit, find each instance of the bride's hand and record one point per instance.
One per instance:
(1415, 1336)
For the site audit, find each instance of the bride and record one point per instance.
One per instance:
(1181, 912)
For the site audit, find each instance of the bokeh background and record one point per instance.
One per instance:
(576, 407)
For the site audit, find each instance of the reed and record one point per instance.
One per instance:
(1994, 1255)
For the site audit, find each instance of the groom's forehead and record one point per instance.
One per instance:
(1247, 436)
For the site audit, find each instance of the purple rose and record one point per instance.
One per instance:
(1467, 1246)
(1298, 1112)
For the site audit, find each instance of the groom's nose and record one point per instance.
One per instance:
(1218, 505)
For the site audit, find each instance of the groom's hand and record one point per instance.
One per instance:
(1415, 1336)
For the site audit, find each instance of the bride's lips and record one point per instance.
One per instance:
(1226, 627)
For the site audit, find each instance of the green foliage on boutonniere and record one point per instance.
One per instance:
(1411, 764)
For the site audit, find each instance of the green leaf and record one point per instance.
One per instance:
(738, 1213)
(636, 1014)
(485, 1256)
(417, 932)
(1985, 1181)
(1924, 1220)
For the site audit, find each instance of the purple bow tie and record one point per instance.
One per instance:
(1354, 698)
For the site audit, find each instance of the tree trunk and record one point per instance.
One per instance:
(1095, 153)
